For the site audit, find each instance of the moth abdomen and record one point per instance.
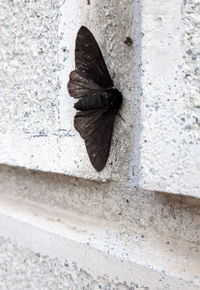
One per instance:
(91, 102)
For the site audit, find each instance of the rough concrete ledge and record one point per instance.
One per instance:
(100, 249)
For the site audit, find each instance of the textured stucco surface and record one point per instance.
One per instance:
(175, 216)
(28, 58)
(21, 268)
(152, 233)
(170, 135)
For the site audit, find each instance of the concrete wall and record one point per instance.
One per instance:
(110, 231)
(170, 101)
(62, 225)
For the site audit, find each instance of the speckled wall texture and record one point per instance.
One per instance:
(29, 270)
(170, 111)
(191, 42)
(28, 58)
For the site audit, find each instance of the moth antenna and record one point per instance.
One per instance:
(121, 117)
(124, 124)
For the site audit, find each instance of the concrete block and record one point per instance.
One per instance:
(170, 132)
(102, 252)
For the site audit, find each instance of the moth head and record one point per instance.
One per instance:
(115, 98)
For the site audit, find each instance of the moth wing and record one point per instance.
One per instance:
(89, 59)
(79, 86)
(95, 127)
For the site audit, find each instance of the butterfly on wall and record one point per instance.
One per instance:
(98, 101)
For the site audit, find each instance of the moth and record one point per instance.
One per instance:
(99, 100)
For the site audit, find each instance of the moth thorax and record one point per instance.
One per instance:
(115, 98)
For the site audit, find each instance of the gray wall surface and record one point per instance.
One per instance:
(23, 269)
(156, 230)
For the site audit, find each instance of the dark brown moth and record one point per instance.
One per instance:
(99, 99)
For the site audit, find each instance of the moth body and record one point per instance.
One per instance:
(91, 102)
(112, 98)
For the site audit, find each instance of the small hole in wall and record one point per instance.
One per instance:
(128, 41)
